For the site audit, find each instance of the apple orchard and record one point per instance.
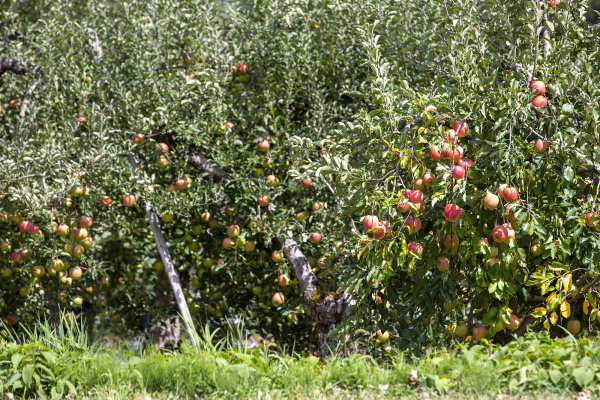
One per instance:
(416, 178)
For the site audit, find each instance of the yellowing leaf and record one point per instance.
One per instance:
(591, 299)
(469, 338)
(551, 296)
(538, 312)
(360, 252)
(565, 309)
(553, 317)
(421, 129)
(586, 304)
(546, 324)
(567, 282)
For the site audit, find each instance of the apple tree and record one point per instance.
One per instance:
(473, 180)
(146, 162)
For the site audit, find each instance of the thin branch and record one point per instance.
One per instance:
(28, 95)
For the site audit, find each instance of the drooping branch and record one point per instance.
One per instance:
(8, 64)
(16, 67)
(163, 250)
(202, 163)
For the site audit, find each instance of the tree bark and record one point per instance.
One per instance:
(328, 309)
(163, 250)
(202, 163)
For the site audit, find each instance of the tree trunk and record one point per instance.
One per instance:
(328, 309)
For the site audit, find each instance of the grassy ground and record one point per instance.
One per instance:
(535, 367)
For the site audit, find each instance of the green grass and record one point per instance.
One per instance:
(51, 365)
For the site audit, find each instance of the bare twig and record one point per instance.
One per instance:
(28, 95)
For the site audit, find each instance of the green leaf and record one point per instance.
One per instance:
(16, 360)
(583, 376)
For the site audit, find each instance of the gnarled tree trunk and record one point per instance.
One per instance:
(329, 309)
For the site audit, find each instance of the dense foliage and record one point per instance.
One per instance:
(455, 123)
(164, 70)
(244, 123)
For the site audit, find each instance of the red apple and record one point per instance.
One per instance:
(75, 272)
(85, 222)
(415, 196)
(242, 68)
(370, 222)
(540, 146)
(314, 237)
(511, 194)
(264, 145)
(23, 225)
(466, 163)
(420, 206)
(180, 184)
(539, 101)
(446, 152)
(106, 200)
(163, 147)
(129, 200)
(263, 200)
(316, 206)
(443, 264)
(458, 172)
(591, 219)
(479, 332)
(81, 119)
(511, 233)
(32, 228)
(539, 87)
(428, 179)
(461, 129)
(228, 125)
(500, 233)
(404, 206)
(452, 212)
(233, 231)
(306, 182)
(490, 201)
(451, 242)
(418, 183)
(413, 224)
(283, 280)
(509, 214)
(381, 230)
(450, 136)
(228, 243)
(16, 256)
(457, 154)
(514, 322)
(277, 256)
(138, 138)
(277, 299)
(434, 153)
(414, 247)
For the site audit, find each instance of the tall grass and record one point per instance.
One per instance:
(228, 369)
